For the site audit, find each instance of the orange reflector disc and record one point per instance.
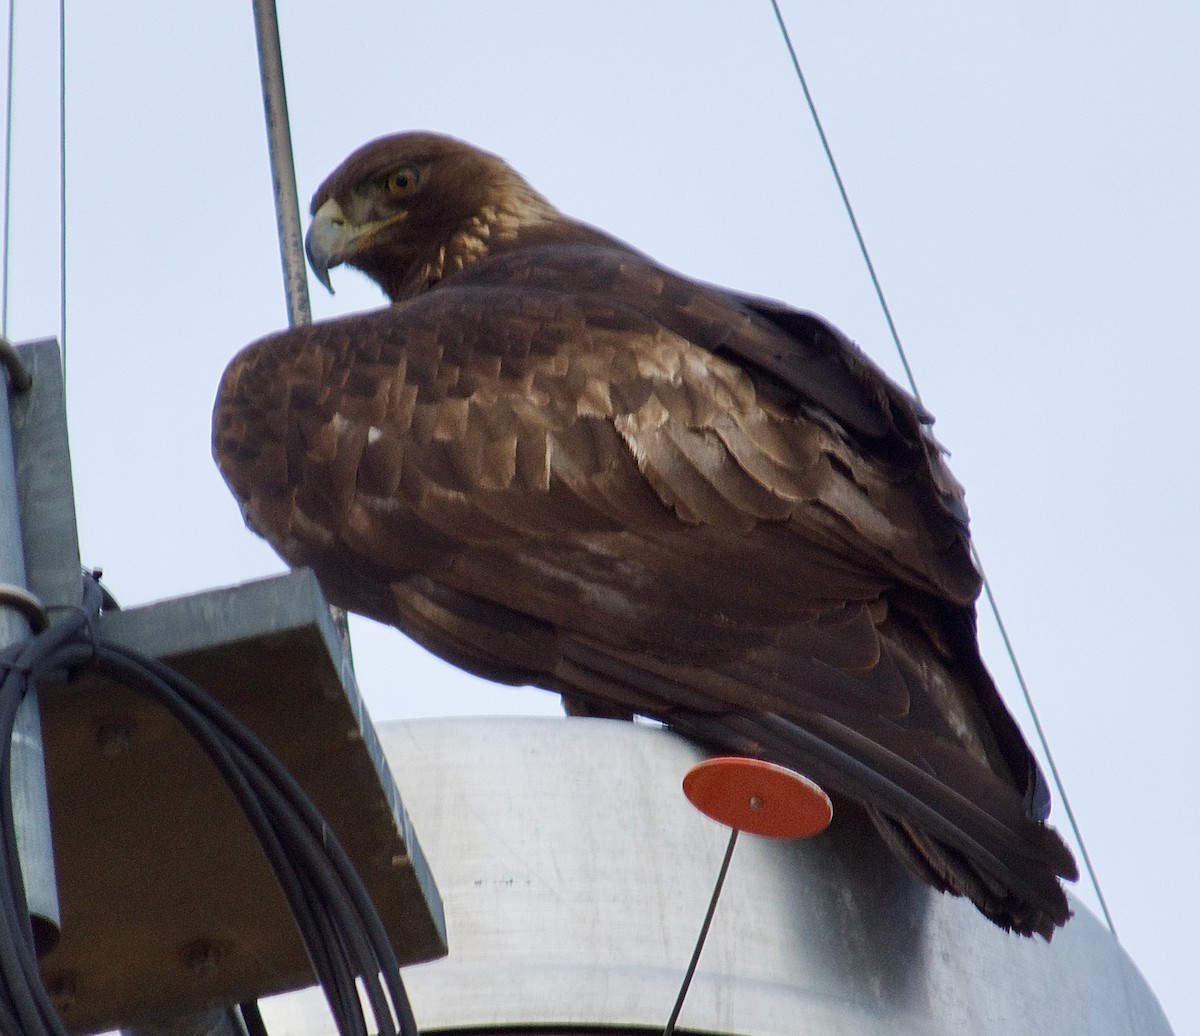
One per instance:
(758, 797)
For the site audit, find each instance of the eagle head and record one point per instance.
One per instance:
(411, 208)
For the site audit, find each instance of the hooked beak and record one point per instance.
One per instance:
(333, 239)
(329, 240)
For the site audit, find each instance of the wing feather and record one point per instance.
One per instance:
(569, 467)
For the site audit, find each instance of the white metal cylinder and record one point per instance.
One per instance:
(575, 876)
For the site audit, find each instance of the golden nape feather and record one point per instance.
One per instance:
(552, 461)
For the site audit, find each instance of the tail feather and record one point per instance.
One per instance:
(947, 870)
(1010, 871)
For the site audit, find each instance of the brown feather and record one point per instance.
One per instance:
(552, 461)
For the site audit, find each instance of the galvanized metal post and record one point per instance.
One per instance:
(31, 808)
(287, 201)
(283, 169)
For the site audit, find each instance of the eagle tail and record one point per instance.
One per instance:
(948, 870)
(1008, 866)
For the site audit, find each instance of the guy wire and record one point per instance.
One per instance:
(991, 598)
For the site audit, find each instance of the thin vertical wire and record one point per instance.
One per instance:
(8, 123)
(987, 587)
(1037, 725)
(837, 176)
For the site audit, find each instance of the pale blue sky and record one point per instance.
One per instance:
(1025, 175)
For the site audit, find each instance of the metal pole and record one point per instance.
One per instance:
(283, 169)
(287, 202)
(31, 807)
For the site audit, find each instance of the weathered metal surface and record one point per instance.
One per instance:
(220, 1021)
(45, 487)
(168, 903)
(283, 169)
(35, 546)
(575, 877)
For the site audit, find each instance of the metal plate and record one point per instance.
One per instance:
(168, 904)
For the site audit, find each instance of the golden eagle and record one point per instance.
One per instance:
(552, 461)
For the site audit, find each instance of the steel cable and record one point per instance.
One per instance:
(912, 384)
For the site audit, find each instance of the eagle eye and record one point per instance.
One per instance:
(400, 183)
